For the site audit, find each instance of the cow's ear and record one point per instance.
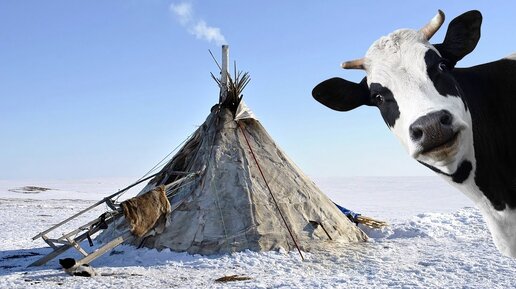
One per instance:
(342, 95)
(462, 36)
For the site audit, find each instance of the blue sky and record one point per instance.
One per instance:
(107, 88)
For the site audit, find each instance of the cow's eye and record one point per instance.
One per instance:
(442, 66)
(378, 98)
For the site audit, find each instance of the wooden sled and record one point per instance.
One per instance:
(68, 240)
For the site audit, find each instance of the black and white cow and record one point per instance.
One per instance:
(459, 122)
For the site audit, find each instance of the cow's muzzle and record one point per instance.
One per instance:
(434, 135)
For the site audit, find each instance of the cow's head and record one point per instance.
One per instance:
(411, 83)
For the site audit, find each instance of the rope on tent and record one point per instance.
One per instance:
(270, 191)
(159, 164)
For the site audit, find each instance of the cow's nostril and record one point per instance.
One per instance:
(446, 118)
(416, 133)
(432, 130)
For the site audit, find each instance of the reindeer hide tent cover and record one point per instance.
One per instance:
(227, 206)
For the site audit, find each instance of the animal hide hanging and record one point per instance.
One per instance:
(147, 211)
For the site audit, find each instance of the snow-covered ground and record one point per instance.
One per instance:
(435, 240)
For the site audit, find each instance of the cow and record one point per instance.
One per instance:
(458, 122)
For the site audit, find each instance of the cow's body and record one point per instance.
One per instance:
(490, 94)
(459, 122)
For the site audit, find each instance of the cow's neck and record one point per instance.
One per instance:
(490, 94)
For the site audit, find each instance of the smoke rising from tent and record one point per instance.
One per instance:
(198, 27)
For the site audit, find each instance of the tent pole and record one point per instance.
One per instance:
(224, 73)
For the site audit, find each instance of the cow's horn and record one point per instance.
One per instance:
(431, 28)
(354, 64)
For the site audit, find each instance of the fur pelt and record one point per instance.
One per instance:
(149, 210)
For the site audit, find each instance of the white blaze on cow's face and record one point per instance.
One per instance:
(419, 99)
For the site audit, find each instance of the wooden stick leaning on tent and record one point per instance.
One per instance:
(360, 219)
(370, 222)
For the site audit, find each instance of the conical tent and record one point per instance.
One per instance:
(231, 188)
(228, 205)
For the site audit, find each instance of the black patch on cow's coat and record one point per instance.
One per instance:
(459, 176)
(462, 172)
(439, 72)
(490, 92)
(387, 105)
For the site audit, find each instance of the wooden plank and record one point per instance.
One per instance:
(104, 249)
(52, 255)
(77, 246)
(49, 242)
(58, 241)
(87, 226)
(81, 228)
